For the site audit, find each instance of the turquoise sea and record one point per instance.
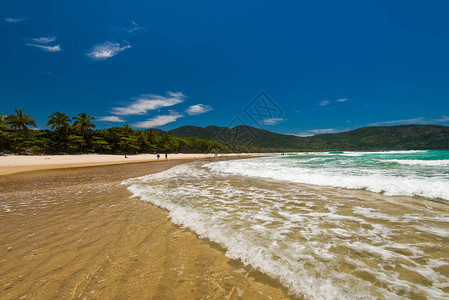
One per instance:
(412, 173)
(333, 225)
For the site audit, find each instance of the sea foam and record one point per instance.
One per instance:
(319, 246)
(353, 172)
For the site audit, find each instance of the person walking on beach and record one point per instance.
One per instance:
(158, 156)
(166, 156)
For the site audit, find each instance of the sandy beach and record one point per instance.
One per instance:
(75, 233)
(10, 164)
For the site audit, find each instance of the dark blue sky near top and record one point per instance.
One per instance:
(327, 65)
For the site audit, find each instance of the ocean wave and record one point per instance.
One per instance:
(295, 236)
(374, 180)
(361, 153)
(418, 162)
(214, 222)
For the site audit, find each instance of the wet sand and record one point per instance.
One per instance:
(76, 234)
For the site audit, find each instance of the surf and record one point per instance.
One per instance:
(319, 242)
(394, 173)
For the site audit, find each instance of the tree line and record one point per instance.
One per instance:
(79, 135)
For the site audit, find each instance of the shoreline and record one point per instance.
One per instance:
(11, 164)
(76, 233)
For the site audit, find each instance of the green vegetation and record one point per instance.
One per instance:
(403, 137)
(81, 136)
(19, 120)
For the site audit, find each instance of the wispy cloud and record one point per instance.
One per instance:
(326, 102)
(44, 40)
(198, 109)
(111, 119)
(45, 48)
(134, 27)
(147, 102)
(419, 120)
(159, 120)
(42, 43)
(14, 20)
(107, 50)
(320, 131)
(273, 121)
(442, 119)
(313, 132)
(397, 122)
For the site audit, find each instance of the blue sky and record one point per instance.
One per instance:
(327, 66)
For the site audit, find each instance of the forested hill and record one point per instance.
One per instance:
(81, 136)
(403, 137)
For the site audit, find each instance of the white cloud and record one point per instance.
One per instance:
(342, 99)
(176, 94)
(315, 132)
(419, 120)
(45, 39)
(110, 119)
(159, 120)
(198, 109)
(147, 102)
(320, 131)
(56, 48)
(324, 103)
(272, 121)
(398, 122)
(106, 50)
(442, 119)
(14, 20)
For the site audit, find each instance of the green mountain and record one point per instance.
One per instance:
(403, 137)
(239, 135)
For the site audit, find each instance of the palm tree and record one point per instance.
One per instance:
(152, 136)
(127, 129)
(58, 120)
(3, 121)
(19, 120)
(83, 123)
